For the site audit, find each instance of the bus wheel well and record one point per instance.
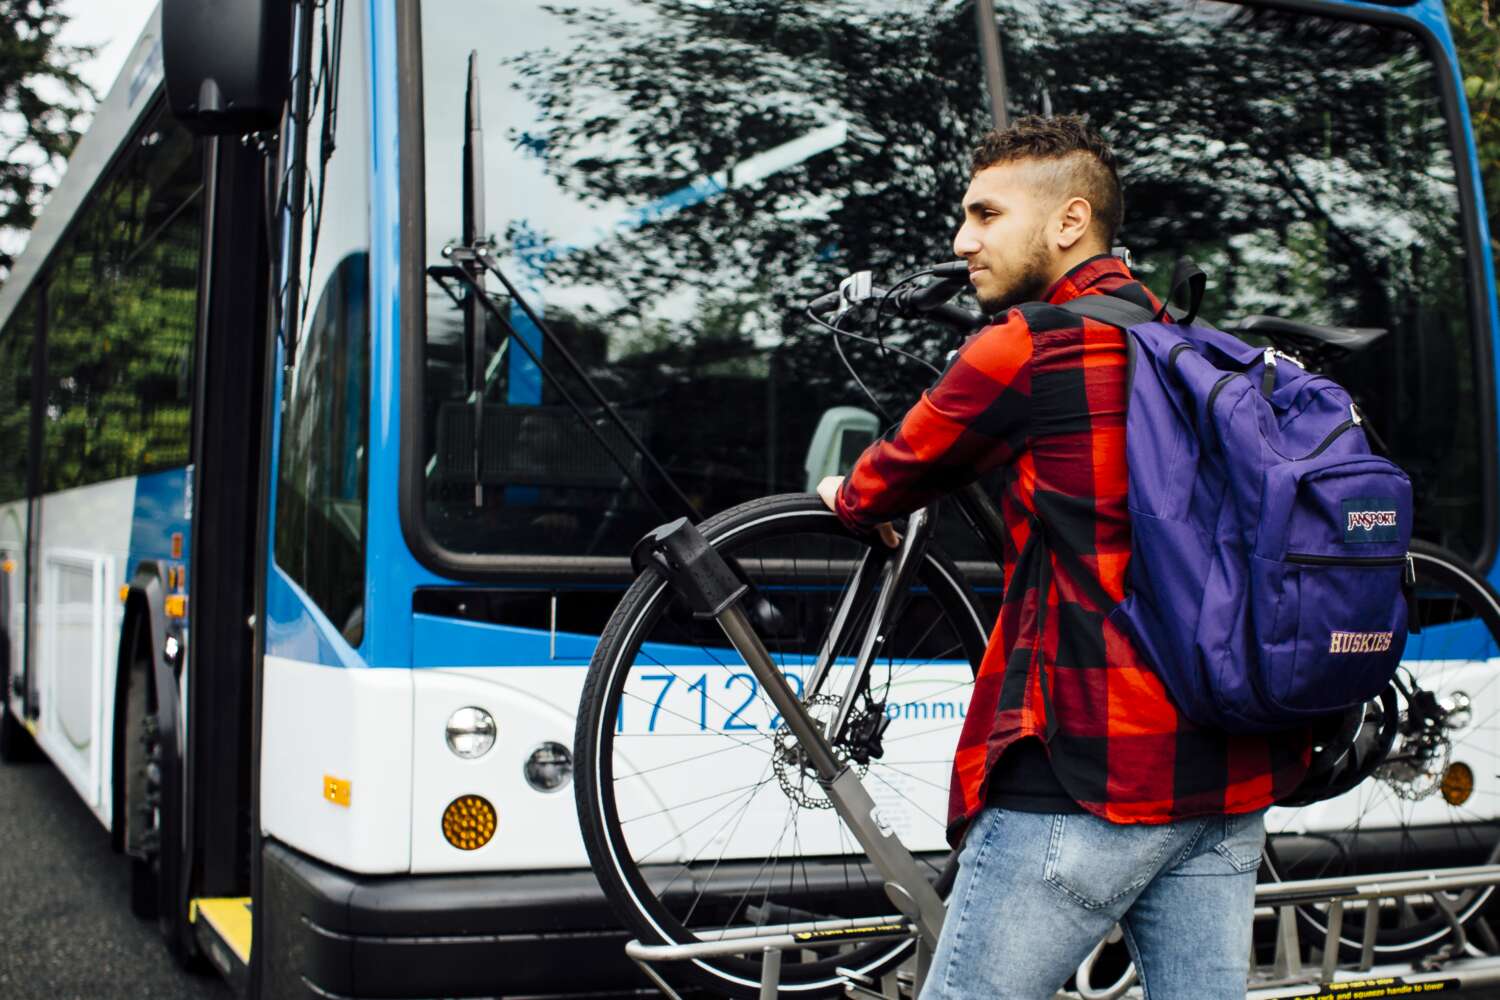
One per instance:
(135, 694)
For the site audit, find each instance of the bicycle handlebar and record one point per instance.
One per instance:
(929, 301)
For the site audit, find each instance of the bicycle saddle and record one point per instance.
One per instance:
(1310, 337)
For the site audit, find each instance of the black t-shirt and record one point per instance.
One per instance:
(1023, 780)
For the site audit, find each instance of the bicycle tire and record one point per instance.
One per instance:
(1404, 817)
(744, 881)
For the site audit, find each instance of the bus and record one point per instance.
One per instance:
(304, 547)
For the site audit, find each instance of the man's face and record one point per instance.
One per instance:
(1003, 236)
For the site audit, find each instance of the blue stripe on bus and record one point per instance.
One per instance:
(451, 642)
(161, 509)
(392, 571)
(297, 630)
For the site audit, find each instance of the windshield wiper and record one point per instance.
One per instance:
(472, 232)
(472, 261)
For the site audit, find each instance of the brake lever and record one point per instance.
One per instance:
(853, 290)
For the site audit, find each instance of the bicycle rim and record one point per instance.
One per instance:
(1435, 802)
(699, 818)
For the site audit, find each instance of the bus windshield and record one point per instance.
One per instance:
(667, 181)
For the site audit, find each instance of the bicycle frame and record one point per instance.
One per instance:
(894, 577)
(714, 590)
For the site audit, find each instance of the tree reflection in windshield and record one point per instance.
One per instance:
(693, 172)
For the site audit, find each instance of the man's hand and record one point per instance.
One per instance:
(828, 489)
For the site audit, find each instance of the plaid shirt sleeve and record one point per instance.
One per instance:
(972, 420)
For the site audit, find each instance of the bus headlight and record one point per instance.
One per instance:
(470, 732)
(549, 767)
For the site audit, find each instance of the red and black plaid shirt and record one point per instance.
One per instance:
(1042, 393)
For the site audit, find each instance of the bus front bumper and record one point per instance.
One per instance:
(323, 932)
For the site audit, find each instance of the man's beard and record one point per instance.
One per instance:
(1030, 281)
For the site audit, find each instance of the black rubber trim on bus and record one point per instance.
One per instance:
(333, 933)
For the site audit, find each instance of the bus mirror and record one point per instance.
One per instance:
(227, 63)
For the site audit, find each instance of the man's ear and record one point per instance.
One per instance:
(1072, 222)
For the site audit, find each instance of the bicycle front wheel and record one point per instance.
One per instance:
(1435, 800)
(700, 815)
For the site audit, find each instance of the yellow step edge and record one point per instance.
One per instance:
(230, 919)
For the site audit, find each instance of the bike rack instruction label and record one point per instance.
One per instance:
(1385, 986)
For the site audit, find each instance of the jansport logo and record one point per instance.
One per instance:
(1369, 520)
(1359, 642)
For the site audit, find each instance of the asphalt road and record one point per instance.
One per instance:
(66, 932)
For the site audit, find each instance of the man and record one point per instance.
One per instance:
(1082, 797)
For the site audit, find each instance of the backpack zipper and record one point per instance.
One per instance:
(1218, 387)
(1313, 560)
(1213, 393)
(1333, 436)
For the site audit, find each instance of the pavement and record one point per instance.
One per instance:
(66, 932)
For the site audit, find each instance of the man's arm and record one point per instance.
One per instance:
(972, 420)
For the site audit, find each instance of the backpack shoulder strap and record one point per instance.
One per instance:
(1123, 314)
(1108, 309)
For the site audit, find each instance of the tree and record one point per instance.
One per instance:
(44, 106)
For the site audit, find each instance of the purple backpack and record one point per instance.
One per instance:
(1268, 544)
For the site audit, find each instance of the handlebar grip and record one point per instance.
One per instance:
(933, 295)
(958, 319)
(824, 304)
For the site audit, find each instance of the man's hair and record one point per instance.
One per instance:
(1085, 165)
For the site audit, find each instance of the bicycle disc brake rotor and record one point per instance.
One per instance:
(1419, 762)
(794, 772)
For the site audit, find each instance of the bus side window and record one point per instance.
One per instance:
(320, 496)
(320, 515)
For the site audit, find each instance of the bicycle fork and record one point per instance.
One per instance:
(712, 589)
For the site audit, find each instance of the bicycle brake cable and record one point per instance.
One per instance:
(851, 335)
(880, 308)
(838, 346)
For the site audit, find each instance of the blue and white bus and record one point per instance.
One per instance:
(304, 555)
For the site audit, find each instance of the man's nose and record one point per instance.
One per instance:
(964, 242)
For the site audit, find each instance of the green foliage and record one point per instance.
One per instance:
(43, 95)
(1476, 34)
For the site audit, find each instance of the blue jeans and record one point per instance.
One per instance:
(1035, 892)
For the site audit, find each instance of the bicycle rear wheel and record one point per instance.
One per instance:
(700, 817)
(1434, 803)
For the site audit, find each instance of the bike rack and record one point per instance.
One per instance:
(1459, 962)
(791, 937)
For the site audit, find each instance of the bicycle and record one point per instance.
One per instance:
(835, 672)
